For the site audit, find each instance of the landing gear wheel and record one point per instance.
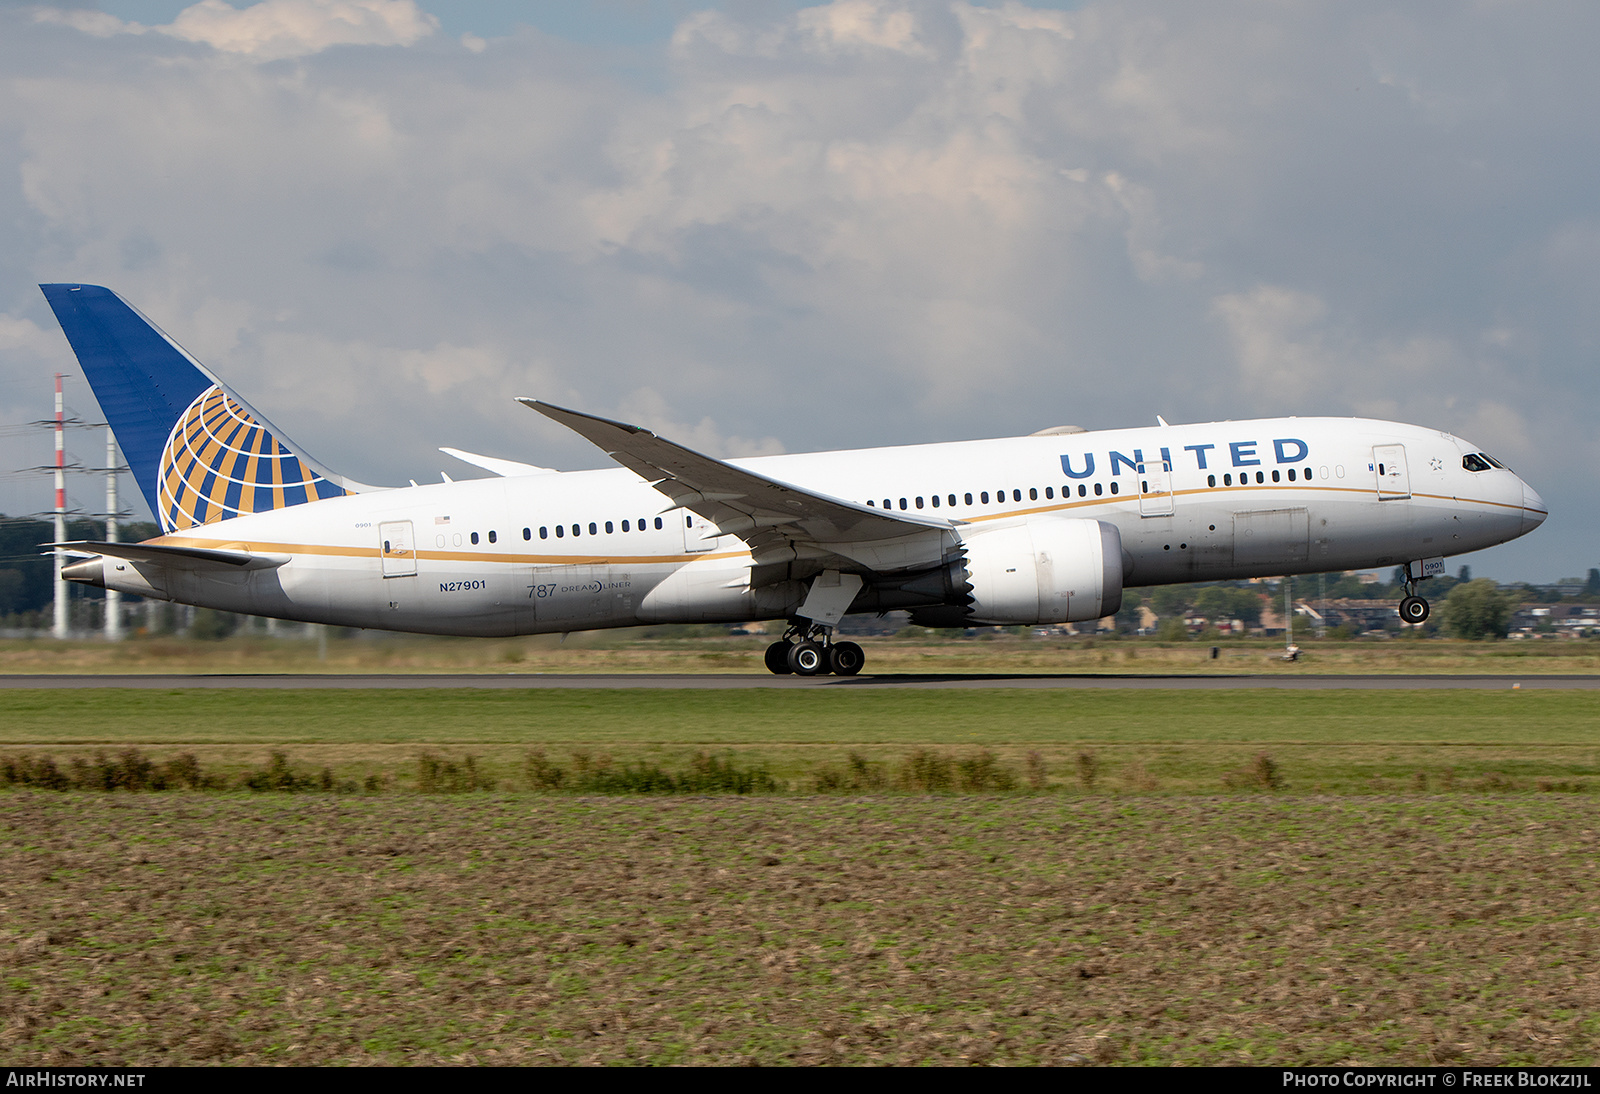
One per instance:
(845, 658)
(807, 659)
(778, 659)
(1413, 609)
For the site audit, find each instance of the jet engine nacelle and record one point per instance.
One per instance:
(1045, 571)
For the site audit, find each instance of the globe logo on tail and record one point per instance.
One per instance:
(220, 462)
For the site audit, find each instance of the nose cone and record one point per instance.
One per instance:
(1533, 509)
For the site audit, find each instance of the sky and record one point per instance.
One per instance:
(762, 227)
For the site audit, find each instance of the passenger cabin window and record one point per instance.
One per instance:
(474, 538)
(968, 497)
(544, 531)
(1113, 488)
(608, 527)
(1211, 480)
(936, 501)
(1049, 492)
(1033, 493)
(1016, 495)
(527, 533)
(985, 496)
(1083, 491)
(919, 503)
(658, 524)
(1097, 490)
(560, 530)
(494, 537)
(625, 526)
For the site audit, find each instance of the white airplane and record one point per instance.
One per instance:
(1047, 528)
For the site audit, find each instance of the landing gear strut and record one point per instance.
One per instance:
(1413, 608)
(808, 649)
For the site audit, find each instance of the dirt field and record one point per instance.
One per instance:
(179, 928)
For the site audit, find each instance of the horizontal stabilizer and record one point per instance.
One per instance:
(509, 469)
(191, 558)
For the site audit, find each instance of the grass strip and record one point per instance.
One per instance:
(703, 718)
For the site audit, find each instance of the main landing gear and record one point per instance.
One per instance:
(811, 651)
(1413, 609)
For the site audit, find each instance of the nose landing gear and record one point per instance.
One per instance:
(811, 651)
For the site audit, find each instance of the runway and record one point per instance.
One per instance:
(735, 681)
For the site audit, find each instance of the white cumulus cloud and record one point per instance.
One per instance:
(271, 30)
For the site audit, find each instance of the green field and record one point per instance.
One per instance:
(1144, 740)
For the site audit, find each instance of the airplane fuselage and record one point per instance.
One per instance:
(581, 550)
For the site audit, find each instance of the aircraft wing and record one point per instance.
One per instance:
(190, 558)
(779, 521)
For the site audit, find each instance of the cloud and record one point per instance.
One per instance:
(25, 336)
(861, 222)
(860, 24)
(101, 24)
(275, 29)
(645, 406)
(272, 30)
(1286, 350)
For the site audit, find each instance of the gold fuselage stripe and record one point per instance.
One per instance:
(334, 550)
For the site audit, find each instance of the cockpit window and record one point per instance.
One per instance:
(1492, 461)
(1474, 462)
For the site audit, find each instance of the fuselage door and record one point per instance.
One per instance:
(1389, 465)
(699, 534)
(398, 548)
(1155, 489)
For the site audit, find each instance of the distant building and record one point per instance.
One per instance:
(1361, 615)
(1562, 619)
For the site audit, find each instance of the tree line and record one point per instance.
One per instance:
(26, 568)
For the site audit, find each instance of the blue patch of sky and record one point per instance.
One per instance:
(597, 22)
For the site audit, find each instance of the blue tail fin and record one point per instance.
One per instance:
(199, 453)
